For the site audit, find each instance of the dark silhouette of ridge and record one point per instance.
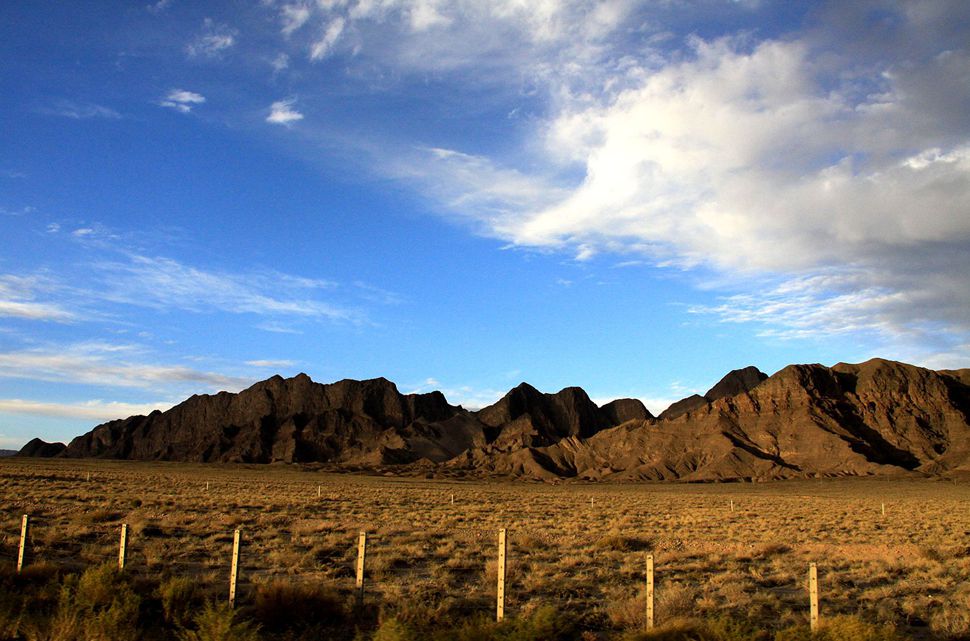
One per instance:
(877, 417)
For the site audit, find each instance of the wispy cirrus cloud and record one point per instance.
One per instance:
(80, 110)
(165, 283)
(18, 299)
(282, 112)
(269, 363)
(94, 410)
(181, 100)
(214, 40)
(110, 365)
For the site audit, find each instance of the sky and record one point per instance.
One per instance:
(631, 197)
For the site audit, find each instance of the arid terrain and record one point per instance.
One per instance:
(739, 550)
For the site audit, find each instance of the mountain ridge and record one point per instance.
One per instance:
(872, 418)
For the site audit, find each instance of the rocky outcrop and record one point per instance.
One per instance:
(41, 449)
(525, 417)
(735, 382)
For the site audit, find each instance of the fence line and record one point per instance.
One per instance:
(501, 571)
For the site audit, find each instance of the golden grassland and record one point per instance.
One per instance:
(432, 546)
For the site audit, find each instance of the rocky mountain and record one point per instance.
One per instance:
(41, 449)
(362, 423)
(878, 417)
(734, 383)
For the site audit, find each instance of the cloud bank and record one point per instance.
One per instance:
(830, 165)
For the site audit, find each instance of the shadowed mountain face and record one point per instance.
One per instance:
(878, 417)
(365, 423)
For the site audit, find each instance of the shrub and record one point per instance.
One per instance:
(97, 606)
(394, 630)
(217, 622)
(179, 597)
(840, 628)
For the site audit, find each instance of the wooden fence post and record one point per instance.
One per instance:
(649, 591)
(732, 506)
(361, 550)
(813, 596)
(234, 571)
(123, 546)
(884, 509)
(500, 571)
(22, 552)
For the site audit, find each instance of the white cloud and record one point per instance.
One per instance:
(23, 211)
(18, 299)
(294, 16)
(165, 283)
(325, 43)
(159, 6)
(213, 41)
(182, 100)
(96, 410)
(80, 111)
(756, 161)
(109, 365)
(271, 363)
(280, 62)
(282, 112)
(34, 311)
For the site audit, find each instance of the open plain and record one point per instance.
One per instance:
(735, 550)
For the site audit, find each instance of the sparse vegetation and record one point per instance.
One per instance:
(575, 570)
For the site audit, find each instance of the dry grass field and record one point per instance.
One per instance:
(430, 562)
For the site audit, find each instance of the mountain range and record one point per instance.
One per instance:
(875, 418)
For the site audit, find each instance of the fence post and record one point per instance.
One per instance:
(649, 591)
(123, 546)
(22, 552)
(361, 550)
(813, 596)
(234, 571)
(500, 571)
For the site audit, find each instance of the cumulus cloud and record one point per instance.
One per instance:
(182, 100)
(830, 165)
(282, 112)
(845, 184)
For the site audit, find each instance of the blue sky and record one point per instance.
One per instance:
(633, 197)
